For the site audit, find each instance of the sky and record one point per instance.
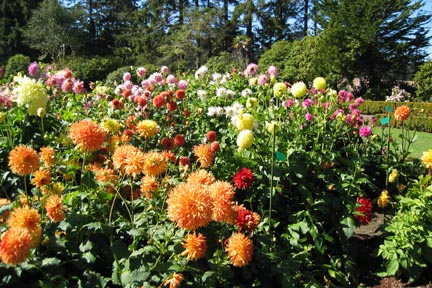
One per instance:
(428, 9)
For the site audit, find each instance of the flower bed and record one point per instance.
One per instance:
(209, 180)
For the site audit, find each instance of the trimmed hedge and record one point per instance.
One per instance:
(420, 118)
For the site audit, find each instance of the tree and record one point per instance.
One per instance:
(13, 17)
(52, 30)
(384, 40)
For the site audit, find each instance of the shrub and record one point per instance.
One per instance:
(92, 69)
(423, 81)
(16, 64)
(224, 62)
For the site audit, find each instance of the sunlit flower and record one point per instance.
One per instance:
(54, 208)
(33, 69)
(211, 136)
(393, 175)
(122, 157)
(111, 125)
(427, 159)
(23, 160)
(383, 199)
(41, 177)
(190, 205)
(243, 178)
(298, 89)
(246, 220)
(135, 163)
(174, 281)
(272, 71)
(252, 103)
(87, 135)
(204, 155)
(319, 83)
(279, 89)
(402, 113)
(15, 246)
(147, 128)
(245, 121)
(245, 139)
(26, 218)
(273, 127)
(365, 131)
(155, 163)
(364, 210)
(47, 156)
(149, 185)
(195, 246)
(202, 177)
(239, 249)
(30, 93)
(106, 176)
(222, 193)
(251, 70)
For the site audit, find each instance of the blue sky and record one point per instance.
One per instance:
(428, 8)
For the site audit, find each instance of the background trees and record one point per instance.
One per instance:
(376, 41)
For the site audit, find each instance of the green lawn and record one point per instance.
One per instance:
(422, 143)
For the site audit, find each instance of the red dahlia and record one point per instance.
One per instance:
(365, 208)
(243, 179)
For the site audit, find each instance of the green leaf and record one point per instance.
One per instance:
(120, 249)
(51, 261)
(392, 267)
(348, 225)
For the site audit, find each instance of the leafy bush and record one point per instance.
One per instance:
(92, 69)
(407, 247)
(16, 64)
(423, 81)
(223, 63)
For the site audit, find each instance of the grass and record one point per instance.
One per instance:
(423, 141)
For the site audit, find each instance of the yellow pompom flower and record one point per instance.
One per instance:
(393, 175)
(298, 89)
(427, 159)
(319, 83)
(273, 127)
(383, 199)
(245, 139)
(279, 89)
(111, 125)
(147, 128)
(245, 121)
(30, 93)
(252, 103)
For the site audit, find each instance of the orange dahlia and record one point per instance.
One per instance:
(41, 177)
(202, 177)
(55, 208)
(15, 245)
(23, 160)
(239, 249)
(149, 185)
(402, 113)
(147, 128)
(204, 154)
(189, 205)
(135, 163)
(128, 159)
(87, 135)
(195, 246)
(222, 193)
(155, 163)
(47, 156)
(174, 281)
(26, 218)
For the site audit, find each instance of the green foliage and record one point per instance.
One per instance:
(92, 69)
(17, 64)
(407, 246)
(423, 82)
(223, 63)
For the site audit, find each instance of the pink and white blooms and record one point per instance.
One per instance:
(182, 84)
(201, 72)
(272, 71)
(141, 72)
(251, 70)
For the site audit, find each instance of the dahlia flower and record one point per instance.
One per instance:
(243, 178)
(30, 93)
(365, 210)
(245, 139)
(26, 218)
(147, 128)
(239, 249)
(427, 159)
(23, 160)
(87, 135)
(54, 208)
(279, 89)
(204, 155)
(402, 113)
(195, 246)
(383, 199)
(202, 177)
(245, 121)
(222, 193)
(15, 246)
(319, 83)
(298, 89)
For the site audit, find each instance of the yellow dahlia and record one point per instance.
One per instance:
(41, 177)
(54, 208)
(15, 246)
(195, 246)
(111, 126)
(273, 127)
(149, 185)
(319, 83)
(47, 156)
(31, 93)
(427, 159)
(202, 177)
(383, 199)
(393, 175)
(190, 205)
(402, 113)
(239, 249)
(222, 193)
(204, 155)
(155, 163)
(245, 139)
(298, 89)
(23, 160)
(279, 89)
(147, 128)
(87, 135)
(245, 121)
(26, 218)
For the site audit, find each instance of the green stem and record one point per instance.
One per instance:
(271, 178)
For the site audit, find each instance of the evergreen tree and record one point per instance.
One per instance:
(380, 40)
